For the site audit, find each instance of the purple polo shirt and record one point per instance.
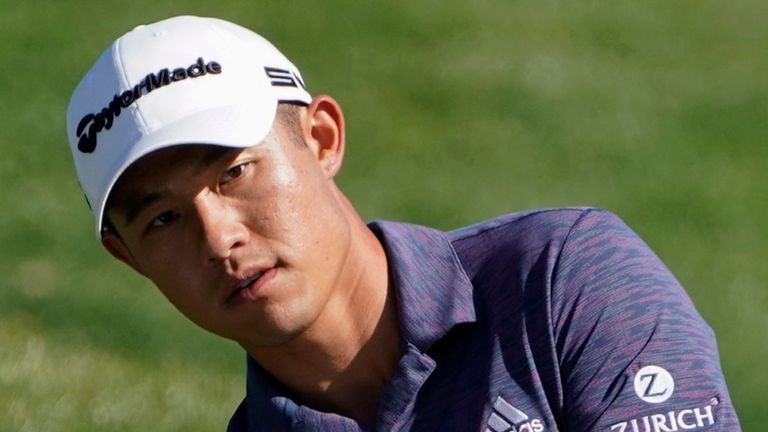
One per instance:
(550, 320)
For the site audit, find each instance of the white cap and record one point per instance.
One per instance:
(183, 80)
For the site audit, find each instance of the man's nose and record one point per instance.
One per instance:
(222, 229)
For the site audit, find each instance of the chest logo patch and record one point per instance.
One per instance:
(653, 384)
(506, 418)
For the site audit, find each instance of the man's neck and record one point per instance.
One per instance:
(343, 361)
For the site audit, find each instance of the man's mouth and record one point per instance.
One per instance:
(249, 281)
(251, 286)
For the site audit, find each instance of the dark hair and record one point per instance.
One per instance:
(289, 118)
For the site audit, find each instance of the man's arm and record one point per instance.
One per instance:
(634, 353)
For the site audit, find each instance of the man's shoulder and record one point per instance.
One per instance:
(530, 242)
(527, 228)
(514, 241)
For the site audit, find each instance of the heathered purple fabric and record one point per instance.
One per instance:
(549, 312)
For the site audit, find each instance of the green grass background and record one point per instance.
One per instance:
(457, 111)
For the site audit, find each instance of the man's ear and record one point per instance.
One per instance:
(323, 129)
(117, 248)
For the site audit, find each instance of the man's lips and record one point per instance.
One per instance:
(251, 287)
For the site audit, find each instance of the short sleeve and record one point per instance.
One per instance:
(633, 352)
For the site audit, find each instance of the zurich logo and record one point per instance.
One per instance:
(654, 384)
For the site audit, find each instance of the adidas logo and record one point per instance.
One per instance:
(506, 418)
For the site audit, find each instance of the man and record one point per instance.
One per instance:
(210, 170)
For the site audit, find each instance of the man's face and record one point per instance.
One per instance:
(249, 244)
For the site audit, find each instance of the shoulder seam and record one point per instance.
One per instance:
(582, 216)
(579, 210)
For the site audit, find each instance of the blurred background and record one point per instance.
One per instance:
(457, 111)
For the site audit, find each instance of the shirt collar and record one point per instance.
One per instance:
(433, 292)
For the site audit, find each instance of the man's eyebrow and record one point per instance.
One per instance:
(212, 155)
(133, 205)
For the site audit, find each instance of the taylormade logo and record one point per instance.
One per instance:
(96, 122)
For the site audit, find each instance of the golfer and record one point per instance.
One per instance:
(209, 169)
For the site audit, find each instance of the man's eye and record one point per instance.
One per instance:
(233, 173)
(163, 219)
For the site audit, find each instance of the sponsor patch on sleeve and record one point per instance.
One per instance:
(654, 385)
